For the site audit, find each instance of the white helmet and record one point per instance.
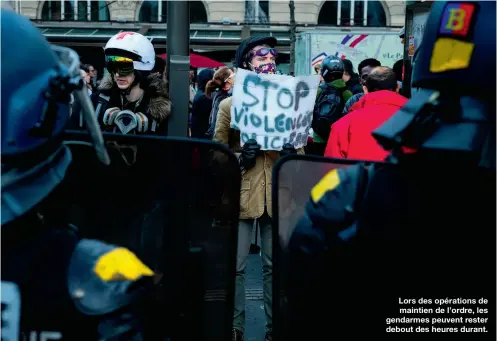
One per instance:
(136, 44)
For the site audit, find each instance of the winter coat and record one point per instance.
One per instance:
(217, 98)
(154, 105)
(351, 137)
(202, 106)
(256, 182)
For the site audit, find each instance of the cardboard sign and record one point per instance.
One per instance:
(273, 109)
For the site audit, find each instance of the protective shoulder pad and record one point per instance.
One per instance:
(362, 176)
(100, 276)
(334, 198)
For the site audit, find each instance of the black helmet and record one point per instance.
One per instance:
(249, 44)
(455, 71)
(332, 68)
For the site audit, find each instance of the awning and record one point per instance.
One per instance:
(198, 61)
(197, 36)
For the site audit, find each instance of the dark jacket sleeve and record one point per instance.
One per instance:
(216, 100)
(352, 100)
(326, 212)
(74, 120)
(162, 129)
(357, 89)
(327, 226)
(201, 111)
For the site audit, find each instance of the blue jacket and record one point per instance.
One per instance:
(352, 100)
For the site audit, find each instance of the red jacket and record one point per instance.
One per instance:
(351, 137)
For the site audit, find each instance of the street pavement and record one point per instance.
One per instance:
(255, 319)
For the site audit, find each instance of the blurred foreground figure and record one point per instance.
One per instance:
(55, 286)
(422, 225)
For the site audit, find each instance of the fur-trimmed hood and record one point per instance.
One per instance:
(159, 105)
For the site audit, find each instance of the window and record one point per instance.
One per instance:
(150, 9)
(75, 10)
(149, 12)
(352, 13)
(257, 11)
(264, 9)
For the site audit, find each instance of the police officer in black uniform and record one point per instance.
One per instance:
(55, 286)
(332, 96)
(416, 232)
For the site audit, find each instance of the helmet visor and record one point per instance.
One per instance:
(121, 65)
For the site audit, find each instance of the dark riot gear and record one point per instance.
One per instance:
(55, 285)
(372, 235)
(455, 71)
(332, 68)
(35, 109)
(474, 51)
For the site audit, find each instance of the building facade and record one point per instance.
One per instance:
(216, 27)
(306, 11)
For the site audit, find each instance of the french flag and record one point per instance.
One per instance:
(351, 41)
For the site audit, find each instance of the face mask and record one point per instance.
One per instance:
(269, 68)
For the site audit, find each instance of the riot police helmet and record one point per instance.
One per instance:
(454, 109)
(39, 81)
(332, 68)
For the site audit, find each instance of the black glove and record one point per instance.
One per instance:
(249, 154)
(288, 149)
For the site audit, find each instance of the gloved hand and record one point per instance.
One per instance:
(288, 149)
(249, 155)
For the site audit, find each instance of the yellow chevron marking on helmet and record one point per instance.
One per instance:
(121, 264)
(328, 183)
(451, 54)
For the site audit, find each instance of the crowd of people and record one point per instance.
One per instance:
(132, 97)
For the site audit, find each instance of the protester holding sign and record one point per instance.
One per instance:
(255, 54)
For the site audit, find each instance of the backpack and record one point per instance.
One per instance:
(327, 110)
